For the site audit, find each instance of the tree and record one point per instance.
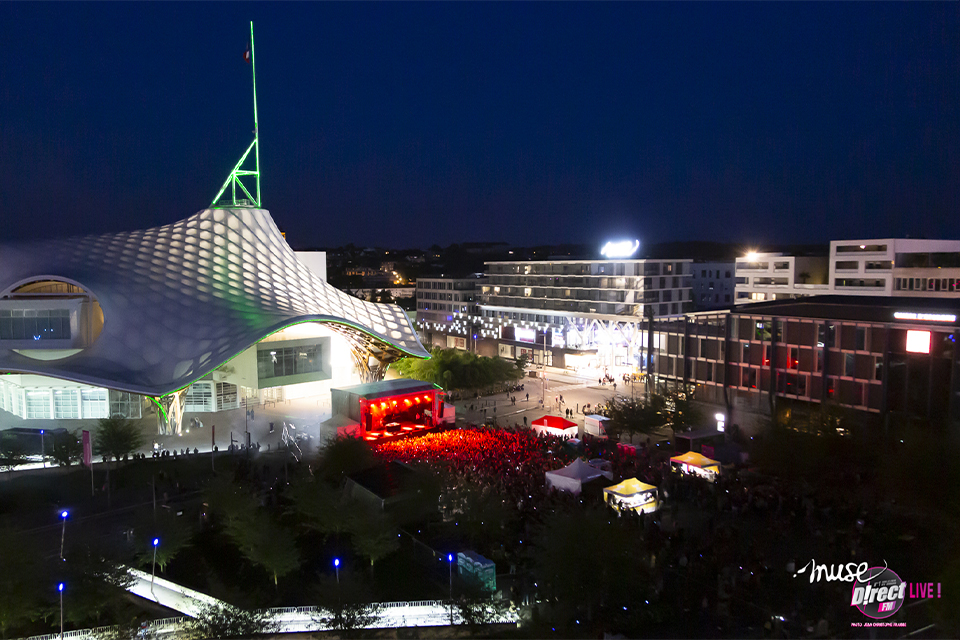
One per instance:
(67, 448)
(268, 545)
(323, 508)
(117, 437)
(174, 533)
(22, 581)
(374, 536)
(344, 456)
(12, 451)
(456, 369)
(97, 582)
(227, 621)
(632, 416)
(344, 604)
(478, 611)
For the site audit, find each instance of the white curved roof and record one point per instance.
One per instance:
(180, 300)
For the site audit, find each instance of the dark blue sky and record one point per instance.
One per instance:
(412, 124)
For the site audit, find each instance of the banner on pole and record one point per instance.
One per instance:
(87, 449)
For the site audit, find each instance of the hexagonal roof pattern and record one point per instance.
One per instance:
(180, 300)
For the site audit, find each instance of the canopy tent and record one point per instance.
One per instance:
(632, 494)
(697, 464)
(555, 426)
(573, 476)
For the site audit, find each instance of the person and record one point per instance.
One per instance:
(528, 397)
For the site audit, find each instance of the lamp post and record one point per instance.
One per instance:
(153, 567)
(43, 450)
(336, 566)
(450, 564)
(63, 530)
(60, 589)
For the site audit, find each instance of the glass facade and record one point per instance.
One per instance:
(278, 361)
(34, 324)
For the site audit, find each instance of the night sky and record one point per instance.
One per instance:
(404, 125)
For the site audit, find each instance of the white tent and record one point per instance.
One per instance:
(571, 477)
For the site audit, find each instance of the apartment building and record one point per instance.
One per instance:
(447, 311)
(903, 267)
(775, 276)
(713, 284)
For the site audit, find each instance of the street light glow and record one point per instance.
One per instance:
(64, 514)
(156, 541)
(60, 587)
(336, 562)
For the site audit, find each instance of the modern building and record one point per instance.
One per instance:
(713, 284)
(191, 316)
(774, 276)
(895, 357)
(900, 267)
(445, 306)
(584, 315)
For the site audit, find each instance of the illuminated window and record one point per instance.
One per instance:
(918, 341)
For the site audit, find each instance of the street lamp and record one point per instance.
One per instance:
(336, 565)
(43, 451)
(60, 588)
(63, 530)
(450, 564)
(153, 568)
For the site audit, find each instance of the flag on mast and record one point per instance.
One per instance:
(248, 54)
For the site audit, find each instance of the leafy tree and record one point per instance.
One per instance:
(117, 437)
(374, 536)
(478, 611)
(97, 584)
(629, 415)
(67, 448)
(455, 369)
(588, 565)
(23, 581)
(173, 532)
(227, 621)
(343, 456)
(268, 545)
(12, 451)
(323, 508)
(344, 604)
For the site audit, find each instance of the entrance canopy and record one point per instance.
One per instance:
(555, 426)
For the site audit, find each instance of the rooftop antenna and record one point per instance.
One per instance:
(230, 201)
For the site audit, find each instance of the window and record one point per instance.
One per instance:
(38, 404)
(861, 338)
(849, 361)
(34, 324)
(794, 358)
(288, 361)
(94, 404)
(124, 404)
(66, 404)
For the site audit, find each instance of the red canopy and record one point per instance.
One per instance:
(554, 422)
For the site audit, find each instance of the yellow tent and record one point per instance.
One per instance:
(632, 494)
(693, 462)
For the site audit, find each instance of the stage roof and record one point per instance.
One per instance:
(385, 388)
(180, 300)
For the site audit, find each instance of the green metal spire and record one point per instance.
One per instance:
(234, 180)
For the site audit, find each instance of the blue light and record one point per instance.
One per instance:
(60, 587)
(64, 514)
(449, 557)
(156, 541)
(336, 562)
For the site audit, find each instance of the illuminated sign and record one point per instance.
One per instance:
(925, 317)
(621, 249)
(918, 341)
(526, 335)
